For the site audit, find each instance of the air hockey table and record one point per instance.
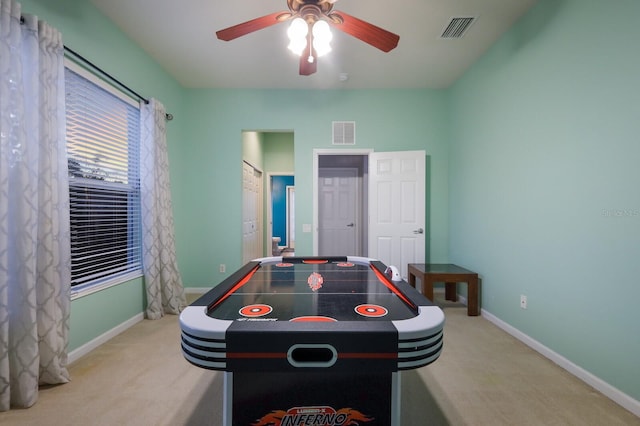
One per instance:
(312, 340)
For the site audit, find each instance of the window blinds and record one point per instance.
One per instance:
(103, 158)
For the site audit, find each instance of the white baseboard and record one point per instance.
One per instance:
(77, 353)
(600, 385)
(595, 382)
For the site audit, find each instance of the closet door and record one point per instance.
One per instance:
(251, 213)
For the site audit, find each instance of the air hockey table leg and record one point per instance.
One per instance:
(395, 398)
(227, 403)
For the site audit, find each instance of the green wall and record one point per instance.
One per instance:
(100, 312)
(85, 30)
(386, 120)
(279, 152)
(252, 150)
(532, 171)
(544, 174)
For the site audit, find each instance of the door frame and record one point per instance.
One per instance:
(291, 213)
(316, 160)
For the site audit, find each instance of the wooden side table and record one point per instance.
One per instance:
(449, 274)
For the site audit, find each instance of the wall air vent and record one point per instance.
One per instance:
(344, 133)
(457, 27)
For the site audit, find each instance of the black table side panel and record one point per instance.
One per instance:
(360, 346)
(266, 399)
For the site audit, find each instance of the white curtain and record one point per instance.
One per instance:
(165, 292)
(34, 209)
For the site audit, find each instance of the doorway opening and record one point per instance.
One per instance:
(269, 153)
(341, 198)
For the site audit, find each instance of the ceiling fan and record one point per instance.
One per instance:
(312, 12)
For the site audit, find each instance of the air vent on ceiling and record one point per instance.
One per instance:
(344, 133)
(457, 27)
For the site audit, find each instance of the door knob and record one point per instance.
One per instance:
(419, 231)
(351, 225)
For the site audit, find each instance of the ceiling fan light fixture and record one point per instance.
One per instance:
(321, 37)
(297, 34)
(308, 42)
(297, 46)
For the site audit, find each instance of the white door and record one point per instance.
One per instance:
(397, 208)
(251, 213)
(338, 212)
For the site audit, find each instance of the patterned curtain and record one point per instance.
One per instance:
(34, 209)
(165, 293)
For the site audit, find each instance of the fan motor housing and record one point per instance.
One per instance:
(324, 6)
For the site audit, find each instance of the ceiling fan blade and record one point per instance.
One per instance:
(369, 33)
(245, 28)
(306, 67)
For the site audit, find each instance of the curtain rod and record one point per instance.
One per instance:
(84, 60)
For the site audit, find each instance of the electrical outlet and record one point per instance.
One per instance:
(523, 301)
(223, 268)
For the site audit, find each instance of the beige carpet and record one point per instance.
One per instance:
(484, 377)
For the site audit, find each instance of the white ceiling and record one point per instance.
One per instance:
(180, 36)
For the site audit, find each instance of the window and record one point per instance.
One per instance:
(103, 145)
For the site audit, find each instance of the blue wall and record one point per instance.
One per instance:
(279, 206)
